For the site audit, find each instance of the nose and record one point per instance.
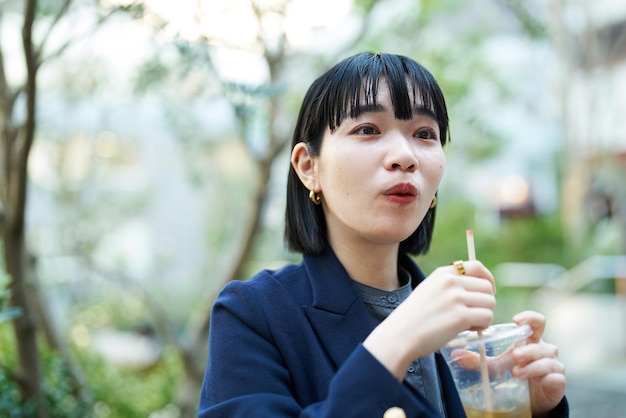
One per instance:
(400, 155)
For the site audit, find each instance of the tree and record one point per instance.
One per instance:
(17, 139)
(18, 124)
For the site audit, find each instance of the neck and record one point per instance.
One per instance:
(372, 265)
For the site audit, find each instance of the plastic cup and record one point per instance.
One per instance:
(508, 396)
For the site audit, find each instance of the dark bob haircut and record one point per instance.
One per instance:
(339, 94)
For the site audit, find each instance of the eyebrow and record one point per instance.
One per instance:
(425, 111)
(378, 108)
(367, 108)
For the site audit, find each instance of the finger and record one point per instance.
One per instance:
(466, 359)
(539, 369)
(475, 284)
(470, 360)
(480, 300)
(470, 318)
(536, 322)
(547, 391)
(475, 268)
(472, 268)
(555, 382)
(557, 379)
(533, 352)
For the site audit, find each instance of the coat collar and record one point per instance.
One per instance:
(338, 313)
(333, 290)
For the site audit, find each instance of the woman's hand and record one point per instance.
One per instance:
(444, 304)
(538, 362)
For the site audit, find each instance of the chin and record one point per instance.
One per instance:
(393, 232)
(391, 239)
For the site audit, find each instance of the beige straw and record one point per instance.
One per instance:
(484, 372)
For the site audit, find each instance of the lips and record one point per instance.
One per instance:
(402, 194)
(403, 189)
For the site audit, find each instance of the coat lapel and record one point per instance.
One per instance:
(337, 313)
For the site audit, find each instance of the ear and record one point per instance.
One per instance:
(305, 166)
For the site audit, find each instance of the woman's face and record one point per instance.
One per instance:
(377, 174)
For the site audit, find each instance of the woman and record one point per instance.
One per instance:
(354, 329)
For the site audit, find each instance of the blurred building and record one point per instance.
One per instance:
(591, 44)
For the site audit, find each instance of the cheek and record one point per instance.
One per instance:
(434, 167)
(440, 171)
(343, 173)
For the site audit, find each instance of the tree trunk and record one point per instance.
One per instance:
(24, 326)
(194, 350)
(16, 147)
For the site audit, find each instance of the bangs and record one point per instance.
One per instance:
(354, 86)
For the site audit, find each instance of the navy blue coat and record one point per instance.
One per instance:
(287, 343)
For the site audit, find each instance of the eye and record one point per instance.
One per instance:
(426, 134)
(366, 130)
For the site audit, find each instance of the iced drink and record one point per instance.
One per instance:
(508, 396)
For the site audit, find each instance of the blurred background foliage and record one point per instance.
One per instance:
(158, 159)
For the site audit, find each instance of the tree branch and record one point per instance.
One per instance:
(17, 181)
(6, 109)
(69, 42)
(242, 248)
(4, 86)
(264, 166)
(60, 13)
(164, 324)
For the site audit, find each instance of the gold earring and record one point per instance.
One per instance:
(315, 197)
(433, 203)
